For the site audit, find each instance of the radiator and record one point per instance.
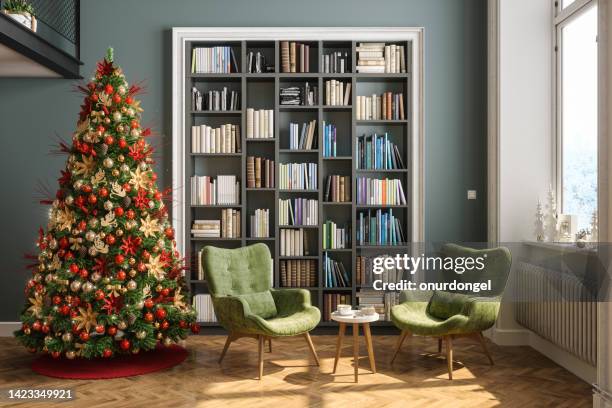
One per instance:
(558, 307)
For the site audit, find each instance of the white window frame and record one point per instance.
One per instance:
(561, 18)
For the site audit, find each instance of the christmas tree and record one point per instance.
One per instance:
(108, 278)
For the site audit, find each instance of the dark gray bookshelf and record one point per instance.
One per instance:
(261, 91)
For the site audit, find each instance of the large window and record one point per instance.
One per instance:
(576, 36)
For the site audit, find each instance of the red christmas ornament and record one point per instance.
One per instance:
(84, 336)
(125, 344)
(195, 328)
(110, 239)
(149, 303)
(119, 211)
(169, 233)
(92, 199)
(100, 328)
(74, 268)
(165, 325)
(117, 98)
(141, 267)
(55, 354)
(109, 140)
(129, 100)
(165, 292)
(63, 242)
(45, 328)
(160, 313)
(112, 330)
(134, 125)
(82, 225)
(94, 98)
(103, 192)
(36, 326)
(130, 214)
(108, 89)
(121, 275)
(73, 313)
(75, 329)
(183, 324)
(65, 310)
(86, 188)
(99, 294)
(57, 300)
(119, 259)
(84, 273)
(149, 317)
(107, 353)
(157, 195)
(146, 255)
(122, 143)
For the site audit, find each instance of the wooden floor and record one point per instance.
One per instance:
(521, 378)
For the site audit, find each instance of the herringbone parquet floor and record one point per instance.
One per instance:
(521, 377)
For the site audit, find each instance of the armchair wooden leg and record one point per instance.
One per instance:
(399, 343)
(260, 339)
(483, 342)
(230, 338)
(312, 349)
(449, 355)
(440, 345)
(269, 344)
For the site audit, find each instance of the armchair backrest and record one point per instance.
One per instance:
(497, 263)
(237, 271)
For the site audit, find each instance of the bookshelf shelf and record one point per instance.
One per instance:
(262, 91)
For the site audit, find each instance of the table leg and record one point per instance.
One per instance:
(342, 328)
(368, 339)
(356, 349)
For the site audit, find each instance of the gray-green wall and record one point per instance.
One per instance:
(33, 111)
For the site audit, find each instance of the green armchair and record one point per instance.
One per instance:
(446, 315)
(247, 306)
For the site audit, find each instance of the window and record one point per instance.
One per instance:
(576, 67)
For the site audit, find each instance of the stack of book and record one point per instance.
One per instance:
(380, 191)
(336, 62)
(334, 237)
(295, 57)
(378, 152)
(329, 140)
(304, 140)
(298, 176)
(213, 60)
(298, 273)
(206, 190)
(294, 242)
(256, 63)
(334, 273)
(260, 124)
(206, 229)
(200, 272)
(381, 58)
(260, 223)
(379, 228)
(365, 276)
(381, 301)
(298, 211)
(260, 172)
(230, 223)
(337, 93)
(338, 189)
(306, 95)
(222, 100)
(388, 106)
(203, 305)
(223, 139)
(331, 302)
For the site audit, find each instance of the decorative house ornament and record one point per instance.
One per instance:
(568, 226)
(551, 231)
(22, 12)
(539, 223)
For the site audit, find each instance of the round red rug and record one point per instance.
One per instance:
(104, 368)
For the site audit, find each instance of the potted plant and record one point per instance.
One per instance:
(20, 11)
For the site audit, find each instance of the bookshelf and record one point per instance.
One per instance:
(261, 91)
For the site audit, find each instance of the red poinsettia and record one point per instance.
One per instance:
(100, 266)
(142, 200)
(129, 246)
(113, 304)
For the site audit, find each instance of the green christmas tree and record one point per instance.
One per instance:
(108, 278)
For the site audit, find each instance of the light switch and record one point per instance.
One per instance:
(471, 194)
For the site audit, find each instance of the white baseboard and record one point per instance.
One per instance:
(7, 328)
(508, 337)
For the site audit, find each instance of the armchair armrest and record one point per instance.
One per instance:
(232, 312)
(289, 301)
(481, 312)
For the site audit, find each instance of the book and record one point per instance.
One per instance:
(378, 227)
(335, 237)
(294, 242)
(260, 172)
(222, 190)
(298, 211)
(337, 189)
(260, 223)
(295, 57)
(371, 191)
(380, 58)
(260, 124)
(387, 106)
(336, 62)
(375, 152)
(337, 93)
(298, 176)
(298, 273)
(330, 142)
(215, 60)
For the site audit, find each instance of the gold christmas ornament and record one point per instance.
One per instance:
(131, 285)
(70, 354)
(93, 222)
(141, 334)
(106, 280)
(108, 205)
(156, 325)
(167, 341)
(69, 200)
(75, 286)
(107, 120)
(122, 325)
(67, 337)
(132, 261)
(119, 232)
(123, 109)
(93, 251)
(135, 350)
(117, 116)
(88, 287)
(132, 273)
(108, 163)
(86, 319)
(95, 277)
(121, 158)
(90, 235)
(124, 168)
(27, 331)
(36, 305)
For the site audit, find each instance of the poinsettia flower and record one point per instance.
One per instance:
(129, 246)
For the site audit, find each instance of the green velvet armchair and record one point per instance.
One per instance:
(245, 304)
(447, 315)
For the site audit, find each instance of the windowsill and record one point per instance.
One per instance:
(566, 247)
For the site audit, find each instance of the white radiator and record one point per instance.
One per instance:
(558, 307)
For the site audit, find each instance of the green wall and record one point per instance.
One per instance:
(33, 112)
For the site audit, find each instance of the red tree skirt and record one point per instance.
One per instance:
(102, 368)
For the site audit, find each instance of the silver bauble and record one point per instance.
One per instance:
(92, 251)
(78, 184)
(96, 276)
(108, 205)
(108, 163)
(90, 235)
(93, 222)
(141, 334)
(117, 116)
(134, 132)
(131, 285)
(70, 354)
(75, 286)
(69, 200)
(144, 166)
(124, 168)
(88, 287)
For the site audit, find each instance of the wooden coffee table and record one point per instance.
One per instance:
(355, 319)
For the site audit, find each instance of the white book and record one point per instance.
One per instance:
(392, 59)
(347, 95)
(256, 124)
(371, 69)
(262, 128)
(249, 129)
(271, 123)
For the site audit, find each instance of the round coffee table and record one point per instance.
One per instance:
(355, 318)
